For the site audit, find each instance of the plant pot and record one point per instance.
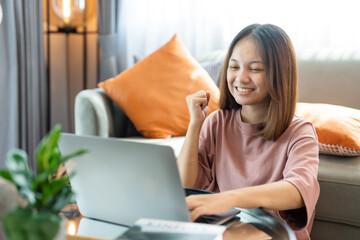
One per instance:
(23, 224)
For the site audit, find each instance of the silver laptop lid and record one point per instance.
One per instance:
(121, 181)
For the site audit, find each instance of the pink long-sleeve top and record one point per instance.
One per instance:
(231, 156)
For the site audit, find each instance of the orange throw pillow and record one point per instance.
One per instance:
(337, 127)
(152, 93)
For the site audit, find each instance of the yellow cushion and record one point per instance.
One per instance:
(152, 93)
(337, 127)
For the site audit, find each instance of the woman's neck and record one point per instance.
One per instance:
(253, 115)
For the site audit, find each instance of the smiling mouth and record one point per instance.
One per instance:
(239, 89)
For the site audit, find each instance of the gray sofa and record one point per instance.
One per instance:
(323, 78)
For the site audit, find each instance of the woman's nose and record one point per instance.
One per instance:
(242, 76)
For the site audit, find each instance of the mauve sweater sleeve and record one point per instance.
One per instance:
(301, 170)
(206, 155)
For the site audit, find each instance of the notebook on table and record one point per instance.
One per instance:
(122, 181)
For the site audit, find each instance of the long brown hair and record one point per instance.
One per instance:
(281, 76)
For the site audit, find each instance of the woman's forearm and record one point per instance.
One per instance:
(281, 195)
(188, 157)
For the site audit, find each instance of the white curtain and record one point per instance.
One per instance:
(207, 25)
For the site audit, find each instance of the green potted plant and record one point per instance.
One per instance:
(47, 190)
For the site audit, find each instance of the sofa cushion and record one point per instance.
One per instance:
(213, 62)
(214, 70)
(339, 179)
(152, 92)
(212, 67)
(337, 127)
(325, 230)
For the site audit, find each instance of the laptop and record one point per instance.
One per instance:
(121, 181)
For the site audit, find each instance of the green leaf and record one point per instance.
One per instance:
(46, 148)
(40, 179)
(66, 197)
(18, 167)
(62, 160)
(59, 201)
(23, 224)
(6, 175)
(43, 192)
(53, 188)
(75, 154)
(44, 176)
(55, 160)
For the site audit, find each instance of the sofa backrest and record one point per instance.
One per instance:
(330, 81)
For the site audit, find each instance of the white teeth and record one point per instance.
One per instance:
(244, 89)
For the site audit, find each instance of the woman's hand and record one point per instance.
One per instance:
(198, 106)
(208, 204)
(279, 196)
(188, 157)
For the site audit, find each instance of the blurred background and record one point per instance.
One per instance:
(52, 49)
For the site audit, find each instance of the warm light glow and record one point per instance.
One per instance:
(82, 4)
(66, 10)
(70, 13)
(71, 228)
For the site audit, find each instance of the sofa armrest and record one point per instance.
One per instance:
(93, 115)
(97, 115)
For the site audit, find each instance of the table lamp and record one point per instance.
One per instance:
(71, 55)
(71, 12)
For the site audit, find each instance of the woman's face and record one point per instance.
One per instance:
(246, 75)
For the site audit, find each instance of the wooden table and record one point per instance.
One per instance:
(75, 237)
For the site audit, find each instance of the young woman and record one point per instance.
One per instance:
(254, 152)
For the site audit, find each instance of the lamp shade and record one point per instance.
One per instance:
(1, 14)
(68, 9)
(71, 13)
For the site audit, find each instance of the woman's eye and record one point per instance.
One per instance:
(233, 67)
(257, 69)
